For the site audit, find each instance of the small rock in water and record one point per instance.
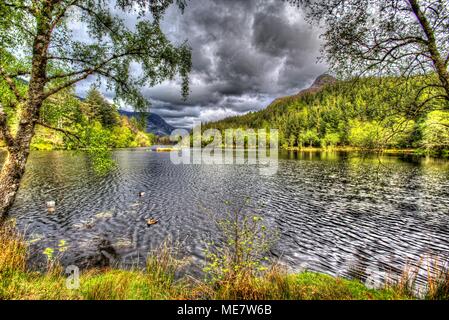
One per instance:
(123, 243)
(104, 215)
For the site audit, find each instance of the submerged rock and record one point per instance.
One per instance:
(104, 256)
(104, 215)
(122, 243)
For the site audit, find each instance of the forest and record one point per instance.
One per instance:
(365, 113)
(67, 122)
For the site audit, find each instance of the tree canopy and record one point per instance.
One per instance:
(110, 53)
(41, 55)
(348, 114)
(401, 38)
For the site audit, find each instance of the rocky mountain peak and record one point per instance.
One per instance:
(323, 80)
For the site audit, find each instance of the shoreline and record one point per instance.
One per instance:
(354, 149)
(165, 277)
(410, 151)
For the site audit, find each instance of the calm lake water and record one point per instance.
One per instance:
(335, 212)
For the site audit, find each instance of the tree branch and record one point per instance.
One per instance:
(68, 84)
(12, 85)
(438, 62)
(83, 73)
(5, 133)
(68, 75)
(98, 17)
(67, 133)
(61, 13)
(19, 73)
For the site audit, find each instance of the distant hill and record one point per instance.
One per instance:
(319, 83)
(155, 123)
(366, 114)
(274, 110)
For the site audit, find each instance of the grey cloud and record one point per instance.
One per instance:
(245, 53)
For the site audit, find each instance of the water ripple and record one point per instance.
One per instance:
(335, 212)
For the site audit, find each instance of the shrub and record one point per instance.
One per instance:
(239, 259)
(330, 140)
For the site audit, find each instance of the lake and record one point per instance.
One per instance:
(337, 213)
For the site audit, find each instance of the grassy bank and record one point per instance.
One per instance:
(158, 281)
(141, 285)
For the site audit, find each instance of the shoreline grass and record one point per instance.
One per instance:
(158, 281)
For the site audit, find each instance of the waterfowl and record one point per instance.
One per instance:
(152, 221)
(51, 206)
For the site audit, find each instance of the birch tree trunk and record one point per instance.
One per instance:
(18, 147)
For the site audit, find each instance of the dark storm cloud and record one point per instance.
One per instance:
(245, 53)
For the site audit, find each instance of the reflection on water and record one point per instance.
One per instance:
(336, 212)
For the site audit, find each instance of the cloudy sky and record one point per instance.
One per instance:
(245, 54)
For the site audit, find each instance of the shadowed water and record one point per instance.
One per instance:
(336, 213)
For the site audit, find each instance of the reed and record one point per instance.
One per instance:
(13, 249)
(437, 280)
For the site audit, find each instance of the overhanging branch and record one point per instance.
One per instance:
(68, 84)
(12, 86)
(67, 133)
(83, 73)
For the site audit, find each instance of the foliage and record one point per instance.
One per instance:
(242, 252)
(362, 113)
(435, 131)
(54, 255)
(384, 38)
(109, 53)
(365, 134)
(331, 140)
(93, 124)
(41, 57)
(13, 249)
(98, 109)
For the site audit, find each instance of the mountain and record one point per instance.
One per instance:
(155, 123)
(319, 83)
(275, 110)
(331, 114)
